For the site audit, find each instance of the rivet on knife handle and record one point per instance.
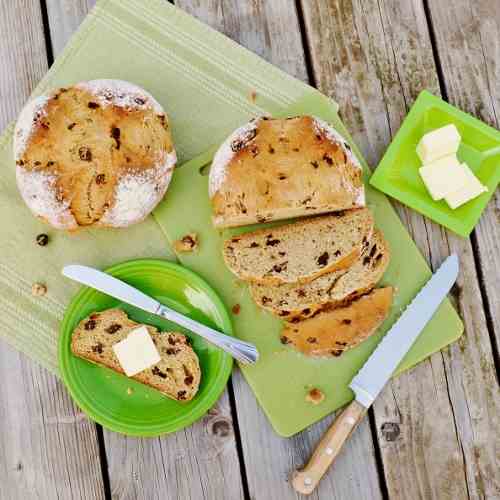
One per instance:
(306, 480)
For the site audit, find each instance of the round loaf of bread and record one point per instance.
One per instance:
(98, 153)
(277, 168)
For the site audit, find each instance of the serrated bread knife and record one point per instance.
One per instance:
(377, 370)
(105, 283)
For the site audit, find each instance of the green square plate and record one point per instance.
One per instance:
(397, 174)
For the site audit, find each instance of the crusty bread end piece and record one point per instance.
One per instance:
(331, 332)
(300, 251)
(178, 373)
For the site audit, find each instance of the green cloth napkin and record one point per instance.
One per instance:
(204, 81)
(31, 323)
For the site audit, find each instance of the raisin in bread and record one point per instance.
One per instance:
(98, 153)
(178, 373)
(301, 251)
(331, 332)
(295, 302)
(279, 168)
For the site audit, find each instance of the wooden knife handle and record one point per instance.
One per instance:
(306, 480)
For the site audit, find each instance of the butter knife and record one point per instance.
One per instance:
(375, 373)
(105, 283)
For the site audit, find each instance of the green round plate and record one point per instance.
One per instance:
(120, 403)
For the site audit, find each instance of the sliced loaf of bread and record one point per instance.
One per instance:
(177, 374)
(331, 332)
(294, 302)
(300, 251)
(278, 168)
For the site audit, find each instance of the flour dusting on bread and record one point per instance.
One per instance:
(27, 122)
(136, 194)
(238, 139)
(40, 193)
(121, 93)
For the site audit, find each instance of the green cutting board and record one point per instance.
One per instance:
(282, 377)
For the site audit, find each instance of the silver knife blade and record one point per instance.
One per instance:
(379, 367)
(105, 283)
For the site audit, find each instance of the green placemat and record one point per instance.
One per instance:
(204, 81)
(29, 323)
(282, 376)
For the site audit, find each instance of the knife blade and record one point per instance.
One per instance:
(109, 285)
(244, 352)
(384, 360)
(377, 370)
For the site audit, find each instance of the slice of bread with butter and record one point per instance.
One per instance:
(174, 370)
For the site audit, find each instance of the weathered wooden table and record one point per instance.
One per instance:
(435, 431)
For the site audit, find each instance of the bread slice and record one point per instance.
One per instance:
(331, 332)
(301, 251)
(295, 302)
(279, 168)
(178, 373)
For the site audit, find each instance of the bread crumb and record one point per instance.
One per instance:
(130, 391)
(38, 289)
(236, 309)
(315, 396)
(253, 95)
(187, 243)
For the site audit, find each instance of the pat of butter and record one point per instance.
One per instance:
(470, 190)
(443, 176)
(136, 352)
(441, 142)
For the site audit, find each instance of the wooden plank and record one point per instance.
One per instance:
(269, 459)
(467, 36)
(200, 462)
(23, 56)
(64, 18)
(48, 449)
(374, 57)
(474, 86)
(271, 29)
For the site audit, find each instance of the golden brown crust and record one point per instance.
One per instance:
(80, 155)
(277, 168)
(331, 332)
